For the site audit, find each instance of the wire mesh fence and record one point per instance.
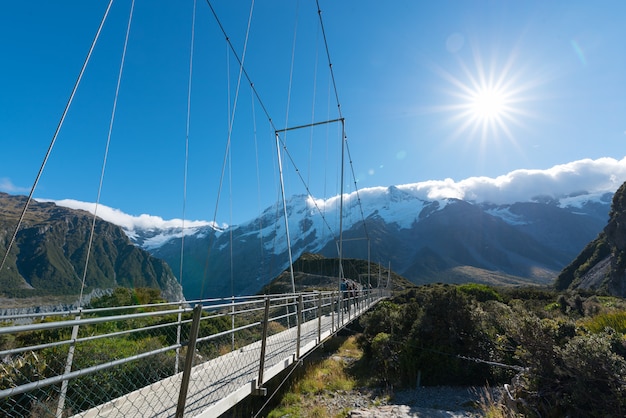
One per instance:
(161, 360)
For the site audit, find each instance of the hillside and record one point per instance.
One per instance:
(601, 266)
(48, 256)
(316, 272)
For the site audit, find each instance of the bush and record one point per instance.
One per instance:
(449, 327)
(572, 365)
(480, 292)
(385, 355)
(592, 376)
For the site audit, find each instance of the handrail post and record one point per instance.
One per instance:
(263, 342)
(191, 350)
(232, 323)
(178, 331)
(68, 368)
(339, 310)
(319, 317)
(332, 312)
(299, 322)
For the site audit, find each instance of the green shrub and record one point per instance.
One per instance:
(448, 328)
(586, 380)
(480, 292)
(593, 377)
(385, 355)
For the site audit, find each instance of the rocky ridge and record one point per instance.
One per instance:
(601, 265)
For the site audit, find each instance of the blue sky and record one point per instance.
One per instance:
(411, 76)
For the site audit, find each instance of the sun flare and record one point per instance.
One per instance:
(488, 99)
(488, 104)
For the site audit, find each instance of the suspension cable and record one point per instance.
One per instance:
(258, 174)
(54, 137)
(345, 138)
(231, 115)
(240, 62)
(356, 189)
(313, 110)
(242, 71)
(293, 58)
(187, 125)
(106, 152)
(330, 65)
(280, 166)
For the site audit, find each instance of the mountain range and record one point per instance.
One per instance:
(444, 240)
(424, 240)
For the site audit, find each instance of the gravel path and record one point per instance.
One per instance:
(425, 402)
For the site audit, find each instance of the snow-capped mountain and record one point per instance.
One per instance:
(447, 240)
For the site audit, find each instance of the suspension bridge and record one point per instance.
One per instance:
(190, 358)
(164, 360)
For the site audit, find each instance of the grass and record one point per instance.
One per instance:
(490, 408)
(615, 320)
(329, 374)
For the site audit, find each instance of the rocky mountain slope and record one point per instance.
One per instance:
(601, 265)
(48, 256)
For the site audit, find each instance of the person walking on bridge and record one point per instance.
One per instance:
(344, 296)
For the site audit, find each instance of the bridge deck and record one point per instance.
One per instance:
(219, 384)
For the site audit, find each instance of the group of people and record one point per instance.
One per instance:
(351, 292)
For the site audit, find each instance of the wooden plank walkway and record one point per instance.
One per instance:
(219, 384)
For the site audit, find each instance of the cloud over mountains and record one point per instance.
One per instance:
(126, 221)
(589, 176)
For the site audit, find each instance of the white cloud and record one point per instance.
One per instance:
(591, 176)
(7, 186)
(128, 222)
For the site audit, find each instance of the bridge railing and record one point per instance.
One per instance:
(61, 364)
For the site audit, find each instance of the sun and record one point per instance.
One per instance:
(488, 104)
